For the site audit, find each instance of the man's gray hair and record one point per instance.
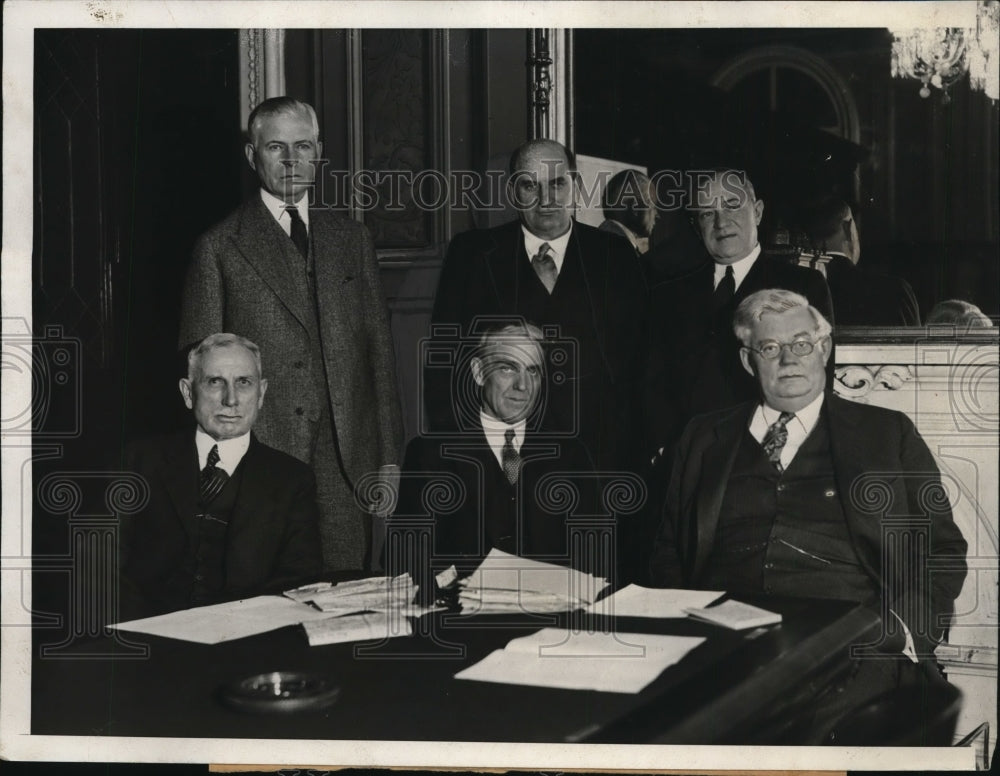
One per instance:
(730, 178)
(280, 106)
(220, 340)
(773, 301)
(521, 329)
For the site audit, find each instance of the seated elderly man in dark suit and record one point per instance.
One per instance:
(499, 482)
(227, 517)
(774, 496)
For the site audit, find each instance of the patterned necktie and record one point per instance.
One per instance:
(213, 479)
(775, 438)
(725, 290)
(299, 234)
(510, 458)
(545, 267)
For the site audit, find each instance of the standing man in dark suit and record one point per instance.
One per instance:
(860, 298)
(506, 482)
(227, 516)
(304, 284)
(694, 363)
(550, 270)
(801, 493)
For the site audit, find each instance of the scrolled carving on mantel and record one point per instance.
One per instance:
(856, 380)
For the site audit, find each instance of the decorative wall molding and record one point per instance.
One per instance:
(859, 380)
(815, 67)
(262, 68)
(550, 84)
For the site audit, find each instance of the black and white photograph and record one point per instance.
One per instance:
(511, 385)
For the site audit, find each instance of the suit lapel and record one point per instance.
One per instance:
(755, 280)
(504, 258)
(717, 464)
(253, 492)
(850, 448)
(180, 479)
(590, 260)
(267, 248)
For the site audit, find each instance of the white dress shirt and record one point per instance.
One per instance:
(231, 451)
(740, 268)
(798, 428)
(496, 430)
(533, 242)
(277, 208)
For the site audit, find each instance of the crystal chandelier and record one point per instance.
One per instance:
(940, 56)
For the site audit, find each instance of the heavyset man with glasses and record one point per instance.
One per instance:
(804, 494)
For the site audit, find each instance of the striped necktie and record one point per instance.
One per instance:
(213, 479)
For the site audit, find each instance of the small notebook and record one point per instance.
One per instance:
(736, 615)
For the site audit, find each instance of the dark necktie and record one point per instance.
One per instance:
(510, 458)
(725, 290)
(213, 479)
(299, 234)
(775, 438)
(545, 267)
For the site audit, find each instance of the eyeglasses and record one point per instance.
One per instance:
(771, 349)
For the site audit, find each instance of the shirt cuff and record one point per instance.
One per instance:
(908, 648)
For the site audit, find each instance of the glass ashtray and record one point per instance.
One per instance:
(280, 691)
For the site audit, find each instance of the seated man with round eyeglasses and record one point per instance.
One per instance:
(801, 493)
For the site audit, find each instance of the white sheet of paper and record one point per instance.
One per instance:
(637, 601)
(358, 627)
(503, 571)
(607, 662)
(507, 602)
(225, 622)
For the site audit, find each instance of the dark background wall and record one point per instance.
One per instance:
(927, 172)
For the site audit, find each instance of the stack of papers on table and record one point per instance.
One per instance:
(506, 583)
(356, 627)
(225, 622)
(736, 615)
(637, 601)
(375, 594)
(576, 660)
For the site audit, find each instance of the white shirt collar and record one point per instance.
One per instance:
(496, 430)
(798, 428)
(231, 451)
(640, 244)
(533, 242)
(277, 209)
(740, 268)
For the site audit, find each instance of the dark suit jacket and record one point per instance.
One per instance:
(272, 542)
(880, 461)
(480, 278)
(862, 298)
(239, 282)
(694, 358)
(454, 482)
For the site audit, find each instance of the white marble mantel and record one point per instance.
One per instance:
(948, 382)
